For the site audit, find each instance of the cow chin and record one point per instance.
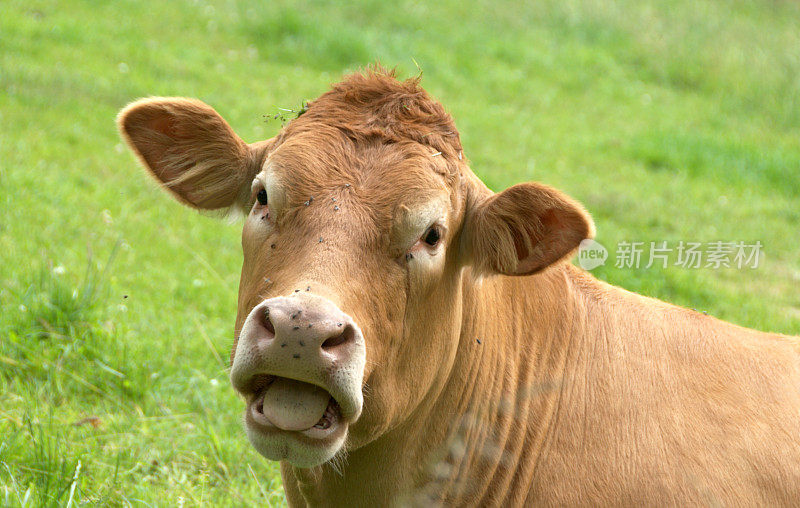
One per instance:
(297, 448)
(284, 436)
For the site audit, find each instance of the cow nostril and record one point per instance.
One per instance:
(346, 336)
(268, 323)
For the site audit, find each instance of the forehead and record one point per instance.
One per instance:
(380, 172)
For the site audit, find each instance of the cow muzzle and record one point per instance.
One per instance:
(299, 363)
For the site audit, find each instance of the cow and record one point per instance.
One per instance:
(405, 336)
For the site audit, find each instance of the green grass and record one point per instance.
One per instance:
(672, 121)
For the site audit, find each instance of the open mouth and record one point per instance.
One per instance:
(283, 404)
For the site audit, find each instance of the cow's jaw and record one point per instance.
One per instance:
(290, 438)
(299, 362)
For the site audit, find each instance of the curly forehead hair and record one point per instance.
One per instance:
(374, 104)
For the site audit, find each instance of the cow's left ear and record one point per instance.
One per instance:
(192, 151)
(524, 229)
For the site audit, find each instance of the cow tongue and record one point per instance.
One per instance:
(294, 405)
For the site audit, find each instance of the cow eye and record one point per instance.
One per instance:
(432, 236)
(262, 197)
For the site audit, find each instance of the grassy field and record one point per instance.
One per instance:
(671, 121)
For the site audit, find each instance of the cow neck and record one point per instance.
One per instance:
(481, 439)
(505, 387)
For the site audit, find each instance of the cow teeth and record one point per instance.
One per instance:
(329, 416)
(324, 422)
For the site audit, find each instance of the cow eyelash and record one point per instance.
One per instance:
(260, 201)
(432, 236)
(261, 197)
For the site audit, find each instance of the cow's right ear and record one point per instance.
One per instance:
(523, 229)
(191, 151)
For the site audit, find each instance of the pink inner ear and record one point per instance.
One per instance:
(552, 221)
(164, 125)
(541, 239)
(549, 242)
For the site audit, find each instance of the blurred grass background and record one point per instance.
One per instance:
(671, 120)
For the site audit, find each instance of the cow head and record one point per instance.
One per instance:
(362, 223)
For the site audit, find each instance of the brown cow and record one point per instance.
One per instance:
(405, 335)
